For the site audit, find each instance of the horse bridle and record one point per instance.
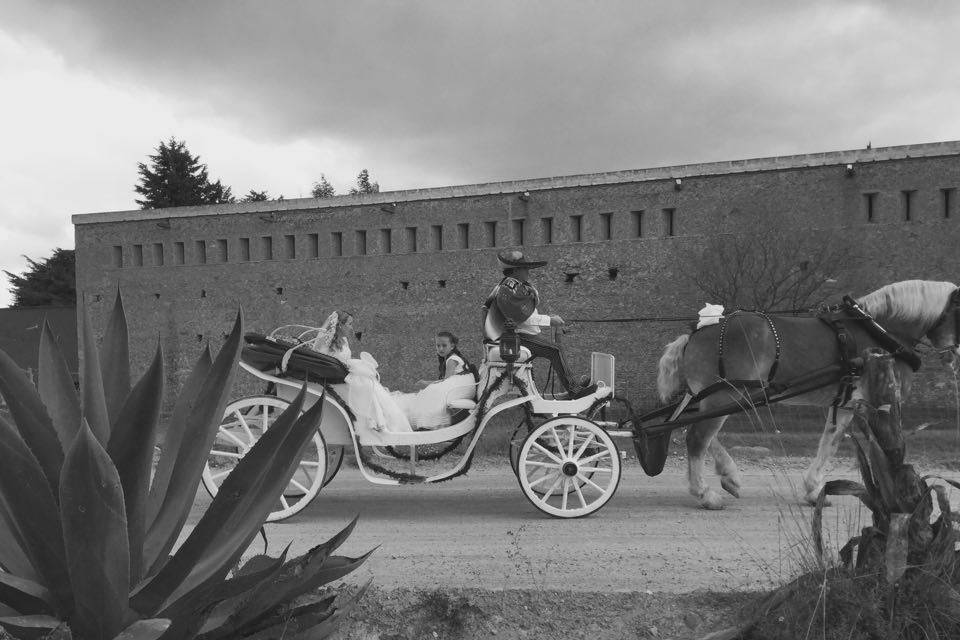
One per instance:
(952, 309)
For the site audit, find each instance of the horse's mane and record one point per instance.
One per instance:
(910, 302)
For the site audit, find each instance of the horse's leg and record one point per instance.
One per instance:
(699, 436)
(725, 467)
(829, 443)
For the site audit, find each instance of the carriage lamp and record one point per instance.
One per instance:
(524, 197)
(850, 170)
(389, 208)
(677, 184)
(509, 343)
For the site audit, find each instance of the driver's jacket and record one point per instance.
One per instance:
(494, 318)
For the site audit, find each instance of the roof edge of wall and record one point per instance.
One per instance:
(854, 156)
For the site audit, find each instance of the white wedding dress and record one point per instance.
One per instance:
(428, 408)
(371, 402)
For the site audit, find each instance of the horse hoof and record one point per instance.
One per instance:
(711, 500)
(731, 486)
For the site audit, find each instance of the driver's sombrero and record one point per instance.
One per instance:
(515, 258)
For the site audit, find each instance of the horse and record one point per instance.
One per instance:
(755, 346)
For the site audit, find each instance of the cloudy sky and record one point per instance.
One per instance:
(272, 94)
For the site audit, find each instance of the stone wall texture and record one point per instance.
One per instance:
(409, 263)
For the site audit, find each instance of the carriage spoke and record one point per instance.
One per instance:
(225, 454)
(583, 447)
(217, 476)
(240, 443)
(309, 463)
(605, 452)
(298, 485)
(266, 416)
(549, 454)
(590, 482)
(243, 423)
(540, 480)
(564, 490)
(583, 501)
(549, 492)
(596, 469)
(556, 438)
(546, 465)
(573, 437)
(283, 501)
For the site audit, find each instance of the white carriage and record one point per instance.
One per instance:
(567, 464)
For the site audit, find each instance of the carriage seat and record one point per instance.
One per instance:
(492, 353)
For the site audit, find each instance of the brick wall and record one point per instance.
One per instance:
(398, 262)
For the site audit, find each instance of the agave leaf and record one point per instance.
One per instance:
(12, 556)
(26, 596)
(236, 513)
(328, 626)
(227, 590)
(57, 392)
(27, 410)
(94, 405)
(850, 488)
(952, 483)
(871, 488)
(30, 627)
(289, 584)
(115, 360)
(132, 438)
(95, 535)
(145, 630)
(175, 432)
(200, 430)
(289, 623)
(32, 509)
(882, 475)
(816, 525)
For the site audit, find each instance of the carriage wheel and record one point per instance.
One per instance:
(573, 476)
(516, 443)
(244, 422)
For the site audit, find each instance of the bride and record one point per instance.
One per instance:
(372, 403)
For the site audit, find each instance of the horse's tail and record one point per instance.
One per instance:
(669, 375)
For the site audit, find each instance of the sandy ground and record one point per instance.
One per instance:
(479, 532)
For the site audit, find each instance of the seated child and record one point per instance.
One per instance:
(427, 409)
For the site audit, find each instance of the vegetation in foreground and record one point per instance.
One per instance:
(87, 537)
(899, 578)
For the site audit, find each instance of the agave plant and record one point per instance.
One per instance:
(87, 537)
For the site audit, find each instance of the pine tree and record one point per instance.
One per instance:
(364, 185)
(175, 178)
(46, 283)
(323, 189)
(255, 196)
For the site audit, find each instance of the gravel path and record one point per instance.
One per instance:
(480, 532)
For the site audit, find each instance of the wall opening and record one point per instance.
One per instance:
(116, 256)
(201, 249)
(518, 232)
(178, 253)
(636, 218)
(336, 244)
(908, 203)
(576, 228)
(946, 200)
(245, 249)
(290, 247)
(279, 291)
(411, 239)
(870, 206)
(569, 278)
(463, 235)
(546, 230)
(442, 283)
(266, 248)
(158, 254)
(404, 285)
(436, 232)
(361, 242)
(613, 273)
(386, 241)
(138, 255)
(669, 222)
(606, 226)
(203, 293)
(313, 245)
(491, 232)
(223, 253)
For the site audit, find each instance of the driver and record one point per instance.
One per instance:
(516, 299)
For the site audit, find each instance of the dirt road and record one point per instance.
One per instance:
(480, 532)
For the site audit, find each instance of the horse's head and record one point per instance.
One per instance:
(944, 336)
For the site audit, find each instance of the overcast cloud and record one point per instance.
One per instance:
(271, 95)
